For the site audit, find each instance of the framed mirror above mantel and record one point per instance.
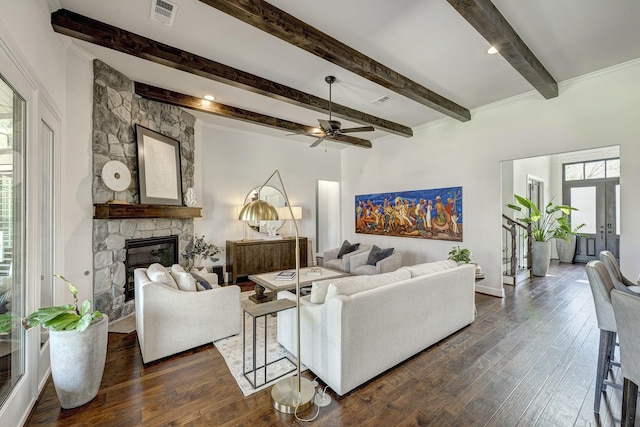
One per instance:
(133, 211)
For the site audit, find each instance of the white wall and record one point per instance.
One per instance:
(230, 163)
(593, 111)
(77, 175)
(35, 65)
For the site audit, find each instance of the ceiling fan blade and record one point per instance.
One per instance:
(318, 141)
(324, 124)
(360, 129)
(303, 133)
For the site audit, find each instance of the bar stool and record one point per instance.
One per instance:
(620, 282)
(601, 286)
(626, 308)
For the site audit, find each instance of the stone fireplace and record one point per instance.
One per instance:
(116, 111)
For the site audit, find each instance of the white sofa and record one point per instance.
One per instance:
(358, 264)
(365, 325)
(330, 258)
(170, 320)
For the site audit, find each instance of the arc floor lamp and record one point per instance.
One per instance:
(292, 394)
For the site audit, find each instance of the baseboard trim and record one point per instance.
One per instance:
(490, 291)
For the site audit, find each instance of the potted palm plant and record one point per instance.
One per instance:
(77, 345)
(566, 239)
(545, 225)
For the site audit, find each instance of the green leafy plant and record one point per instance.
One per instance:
(459, 254)
(200, 250)
(553, 221)
(564, 230)
(68, 317)
(7, 320)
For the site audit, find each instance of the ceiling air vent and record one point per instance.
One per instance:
(163, 11)
(381, 100)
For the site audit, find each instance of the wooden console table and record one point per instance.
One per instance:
(245, 257)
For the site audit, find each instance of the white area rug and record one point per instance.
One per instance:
(231, 350)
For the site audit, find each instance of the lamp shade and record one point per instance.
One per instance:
(258, 210)
(284, 213)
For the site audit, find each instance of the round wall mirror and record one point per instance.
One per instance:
(271, 195)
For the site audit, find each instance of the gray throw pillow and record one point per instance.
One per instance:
(378, 254)
(202, 281)
(347, 248)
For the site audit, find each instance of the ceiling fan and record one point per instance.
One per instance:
(333, 128)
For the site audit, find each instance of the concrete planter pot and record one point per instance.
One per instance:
(540, 258)
(566, 249)
(77, 362)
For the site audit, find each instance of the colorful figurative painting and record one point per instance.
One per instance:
(422, 214)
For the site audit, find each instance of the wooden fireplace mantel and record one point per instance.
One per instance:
(132, 211)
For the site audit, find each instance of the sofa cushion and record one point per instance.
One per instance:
(319, 290)
(185, 281)
(364, 270)
(159, 273)
(347, 248)
(356, 284)
(376, 254)
(429, 267)
(177, 268)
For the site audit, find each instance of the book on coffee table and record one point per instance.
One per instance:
(286, 275)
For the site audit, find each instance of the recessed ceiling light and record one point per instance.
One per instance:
(492, 51)
(209, 97)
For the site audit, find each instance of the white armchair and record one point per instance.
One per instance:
(360, 267)
(169, 320)
(330, 258)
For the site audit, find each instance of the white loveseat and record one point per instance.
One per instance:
(358, 327)
(170, 320)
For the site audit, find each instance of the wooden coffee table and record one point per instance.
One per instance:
(267, 281)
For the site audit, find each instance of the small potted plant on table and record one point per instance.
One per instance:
(460, 255)
(199, 251)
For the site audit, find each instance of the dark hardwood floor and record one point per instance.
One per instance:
(528, 359)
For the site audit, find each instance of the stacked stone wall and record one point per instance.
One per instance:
(116, 111)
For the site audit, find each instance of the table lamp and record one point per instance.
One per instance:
(237, 210)
(295, 212)
(292, 394)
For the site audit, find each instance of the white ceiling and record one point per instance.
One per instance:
(425, 40)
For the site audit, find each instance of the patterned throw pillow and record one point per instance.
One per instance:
(378, 254)
(347, 248)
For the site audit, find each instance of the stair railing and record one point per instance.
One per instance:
(517, 246)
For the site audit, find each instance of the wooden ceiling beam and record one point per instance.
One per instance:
(489, 22)
(102, 34)
(194, 103)
(278, 23)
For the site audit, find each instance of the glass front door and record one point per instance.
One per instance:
(594, 189)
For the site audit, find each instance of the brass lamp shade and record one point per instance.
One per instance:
(258, 210)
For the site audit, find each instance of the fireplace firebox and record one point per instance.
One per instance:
(141, 253)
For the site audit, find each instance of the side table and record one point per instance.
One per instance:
(219, 270)
(256, 311)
